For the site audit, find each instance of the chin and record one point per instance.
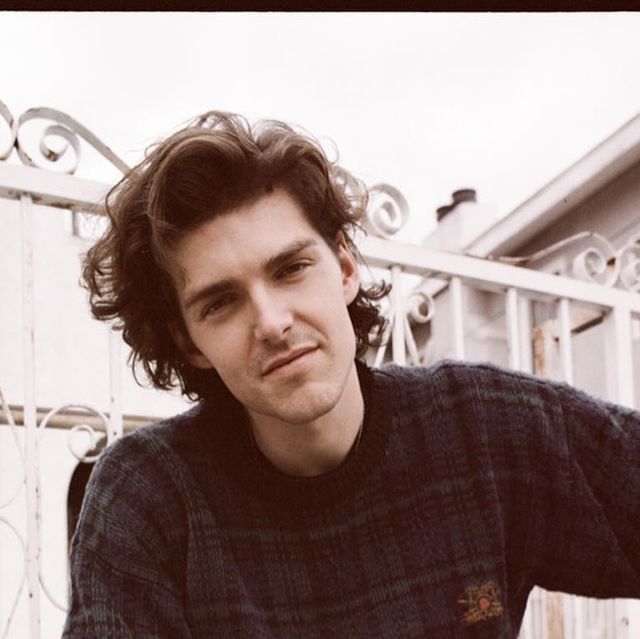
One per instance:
(305, 409)
(305, 413)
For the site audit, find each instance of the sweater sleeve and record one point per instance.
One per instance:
(123, 583)
(107, 603)
(585, 519)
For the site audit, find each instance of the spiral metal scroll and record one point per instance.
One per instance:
(597, 263)
(421, 308)
(80, 428)
(64, 127)
(628, 259)
(93, 439)
(84, 428)
(23, 576)
(6, 523)
(6, 115)
(388, 211)
(586, 256)
(14, 435)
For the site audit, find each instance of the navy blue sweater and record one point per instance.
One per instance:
(470, 485)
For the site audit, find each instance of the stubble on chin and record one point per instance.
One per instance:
(298, 406)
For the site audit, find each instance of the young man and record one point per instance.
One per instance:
(307, 495)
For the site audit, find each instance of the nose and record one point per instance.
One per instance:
(272, 317)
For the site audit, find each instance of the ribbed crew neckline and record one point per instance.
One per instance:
(228, 431)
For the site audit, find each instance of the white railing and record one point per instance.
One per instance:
(445, 283)
(519, 286)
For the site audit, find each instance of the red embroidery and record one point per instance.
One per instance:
(483, 602)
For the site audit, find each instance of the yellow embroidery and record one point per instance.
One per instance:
(483, 603)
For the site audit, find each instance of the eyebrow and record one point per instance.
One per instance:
(272, 264)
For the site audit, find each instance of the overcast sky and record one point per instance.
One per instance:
(426, 102)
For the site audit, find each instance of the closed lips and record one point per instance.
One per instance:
(286, 359)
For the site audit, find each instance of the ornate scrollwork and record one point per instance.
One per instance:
(596, 262)
(62, 127)
(80, 456)
(80, 428)
(23, 576)
(353, 188)
(418, 306)
(14, 434)
(388, 211)
(628, 259)
(5, 522)
(5, 114)
(422, 307)
(586, 256)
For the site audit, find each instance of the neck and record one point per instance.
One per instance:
(315, 447)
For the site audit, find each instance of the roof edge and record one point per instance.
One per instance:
(609, 159)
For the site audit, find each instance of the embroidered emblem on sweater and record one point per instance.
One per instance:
(483, 602)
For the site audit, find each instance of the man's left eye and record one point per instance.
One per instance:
(294, 269)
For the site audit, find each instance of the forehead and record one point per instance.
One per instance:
(239, 241)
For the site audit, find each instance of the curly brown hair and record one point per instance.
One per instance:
(214, 164)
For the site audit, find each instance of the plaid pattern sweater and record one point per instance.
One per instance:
(470, 485)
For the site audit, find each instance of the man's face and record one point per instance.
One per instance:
(264, 300)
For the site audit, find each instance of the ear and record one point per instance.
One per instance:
(189, 350)
(349, 268)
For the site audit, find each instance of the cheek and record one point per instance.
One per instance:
(331, 306)
(338, 323)
(328, 296)
(224, 347)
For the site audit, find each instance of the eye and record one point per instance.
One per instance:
(293, 269)
(216, 305)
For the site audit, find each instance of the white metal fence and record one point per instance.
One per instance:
(446, 280)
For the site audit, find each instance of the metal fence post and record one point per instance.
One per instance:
(30, 419)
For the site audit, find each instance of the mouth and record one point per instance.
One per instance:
(289, 358)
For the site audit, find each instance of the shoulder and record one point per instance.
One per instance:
(474, 392)
(144, 465)
(452, 375)
(138, 483)
(143, 446)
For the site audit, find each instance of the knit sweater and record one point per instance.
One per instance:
(470, 485)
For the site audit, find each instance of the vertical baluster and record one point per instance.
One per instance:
(555, 616)
(630, 612)
(379, 356)
(571, 605)
(538, 606)
(564, 325)
(115, 387)
(526, 629)
(618, 356)
(608, 628)
(513, 330)
(412, 347)
(397, 311)
(578, 615)
(524, 323)
(457, 309)
(30, 418)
